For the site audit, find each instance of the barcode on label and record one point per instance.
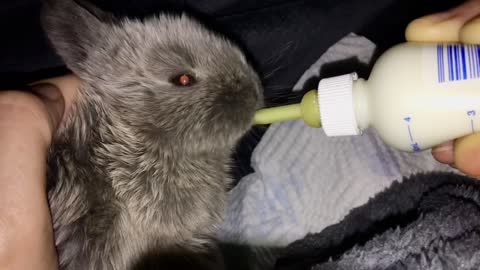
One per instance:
(458, 62)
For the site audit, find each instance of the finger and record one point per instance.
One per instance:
(444, 153)
(26, 116)
(434, 28)
(467, 154)
(470, 32)
(25, 223)
(443, 27)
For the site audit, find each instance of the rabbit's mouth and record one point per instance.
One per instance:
(241, 103)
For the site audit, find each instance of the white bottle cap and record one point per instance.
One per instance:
(335, 100)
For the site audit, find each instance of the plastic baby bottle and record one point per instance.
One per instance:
(417, 96)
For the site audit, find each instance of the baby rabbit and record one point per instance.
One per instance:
(139, 169)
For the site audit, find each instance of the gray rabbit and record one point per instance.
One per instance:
(138, 172)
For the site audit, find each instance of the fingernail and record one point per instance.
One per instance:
(53, 99)
(47, 91)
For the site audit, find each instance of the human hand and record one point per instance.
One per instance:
(460, 24)
(27, 125)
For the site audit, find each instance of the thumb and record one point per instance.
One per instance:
(467, 154)
(447, 26)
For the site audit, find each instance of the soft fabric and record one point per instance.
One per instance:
(429, 221)
(304, 181)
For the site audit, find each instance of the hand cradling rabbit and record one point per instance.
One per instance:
(138, 172)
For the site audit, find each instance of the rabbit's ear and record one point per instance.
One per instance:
(75, 29)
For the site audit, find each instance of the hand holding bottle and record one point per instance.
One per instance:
(460, 24)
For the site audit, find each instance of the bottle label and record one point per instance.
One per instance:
(457, 62)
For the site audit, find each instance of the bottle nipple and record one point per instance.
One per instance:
(307, 109)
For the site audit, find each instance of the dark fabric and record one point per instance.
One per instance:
(429, 221)
(282, 38)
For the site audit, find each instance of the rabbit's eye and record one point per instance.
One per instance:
(183, 80)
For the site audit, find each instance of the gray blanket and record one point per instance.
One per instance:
(429, 221)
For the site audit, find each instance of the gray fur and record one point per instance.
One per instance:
(140, 166)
